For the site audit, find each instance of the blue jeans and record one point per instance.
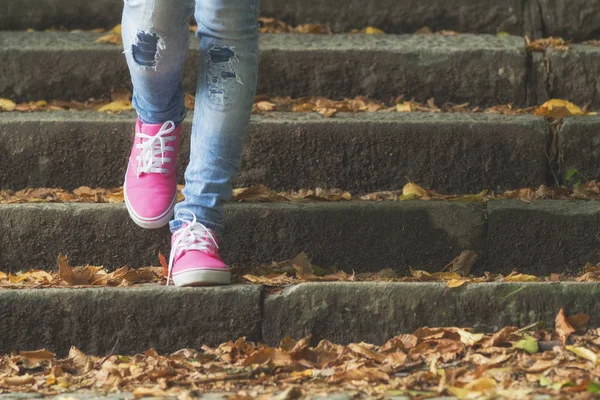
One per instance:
(156, 41)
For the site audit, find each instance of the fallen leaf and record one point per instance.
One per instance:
(558, 109)
(528, 343)
(326, 112)
(579, 322)
(266, 106)
(463, 263)
(521, 278)
(403, 107)
(414, 189)
(116, 106)
(562, 327)
(164, 264)
(584, 353)
(38, 355)
(371, 30)
(19, 380)
(7, 105)
(365, 352)
(141, 392)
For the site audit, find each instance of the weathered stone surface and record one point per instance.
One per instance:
(129, 319)
(537, 81)
(72, 14)
(376, 311)
(573, 74)
(579, 147)
(360, 236)
(570, 19)
(481, 70)
(541, 237)
(470, 16)
(452, 153)
(573, 19)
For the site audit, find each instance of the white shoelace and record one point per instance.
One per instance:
(193, 236)
(152, 156)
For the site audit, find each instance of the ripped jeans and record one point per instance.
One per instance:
(156, 40)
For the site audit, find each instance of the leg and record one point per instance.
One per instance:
(156, 41)
(228, 32)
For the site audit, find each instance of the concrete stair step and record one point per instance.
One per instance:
(362, 153)
(481, 70)
(540, 238)
(131, 320)
(572, 19)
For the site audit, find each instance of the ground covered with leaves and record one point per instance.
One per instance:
(511, 363)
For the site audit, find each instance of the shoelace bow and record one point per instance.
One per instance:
(152, 157)
(193, 236)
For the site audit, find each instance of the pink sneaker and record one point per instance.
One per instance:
(195, 259)
(150, 188)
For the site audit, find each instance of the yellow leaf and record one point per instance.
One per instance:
(469, 338)
(116, 29)
(584, 353)
(475, 389)
(521, 278)
(557, 109)
(481, 385)
(371, 30)
(7, 105)
(454, 283)
(447, 276)
(121, 105)
(403, 107)
(111, 38)
(413, 188)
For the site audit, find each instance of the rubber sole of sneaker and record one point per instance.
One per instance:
(154, 223)
(202, 277)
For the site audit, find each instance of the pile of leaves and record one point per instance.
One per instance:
(540, 45)
(511, 363)
(276, 275)
(589, 190)
(84, 276)
(456, 273)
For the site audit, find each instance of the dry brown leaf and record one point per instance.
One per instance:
(579, 322)
(19, 380)
(326, 112)
(366, 352)
(463, 263)
(562, 327)
(258, 193)
(37, 355)
(266, 106)
(501, 337)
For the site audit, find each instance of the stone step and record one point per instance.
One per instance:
(572, 19)
(481, 70)
(541, 237)
(362, 153)
(132, 320)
